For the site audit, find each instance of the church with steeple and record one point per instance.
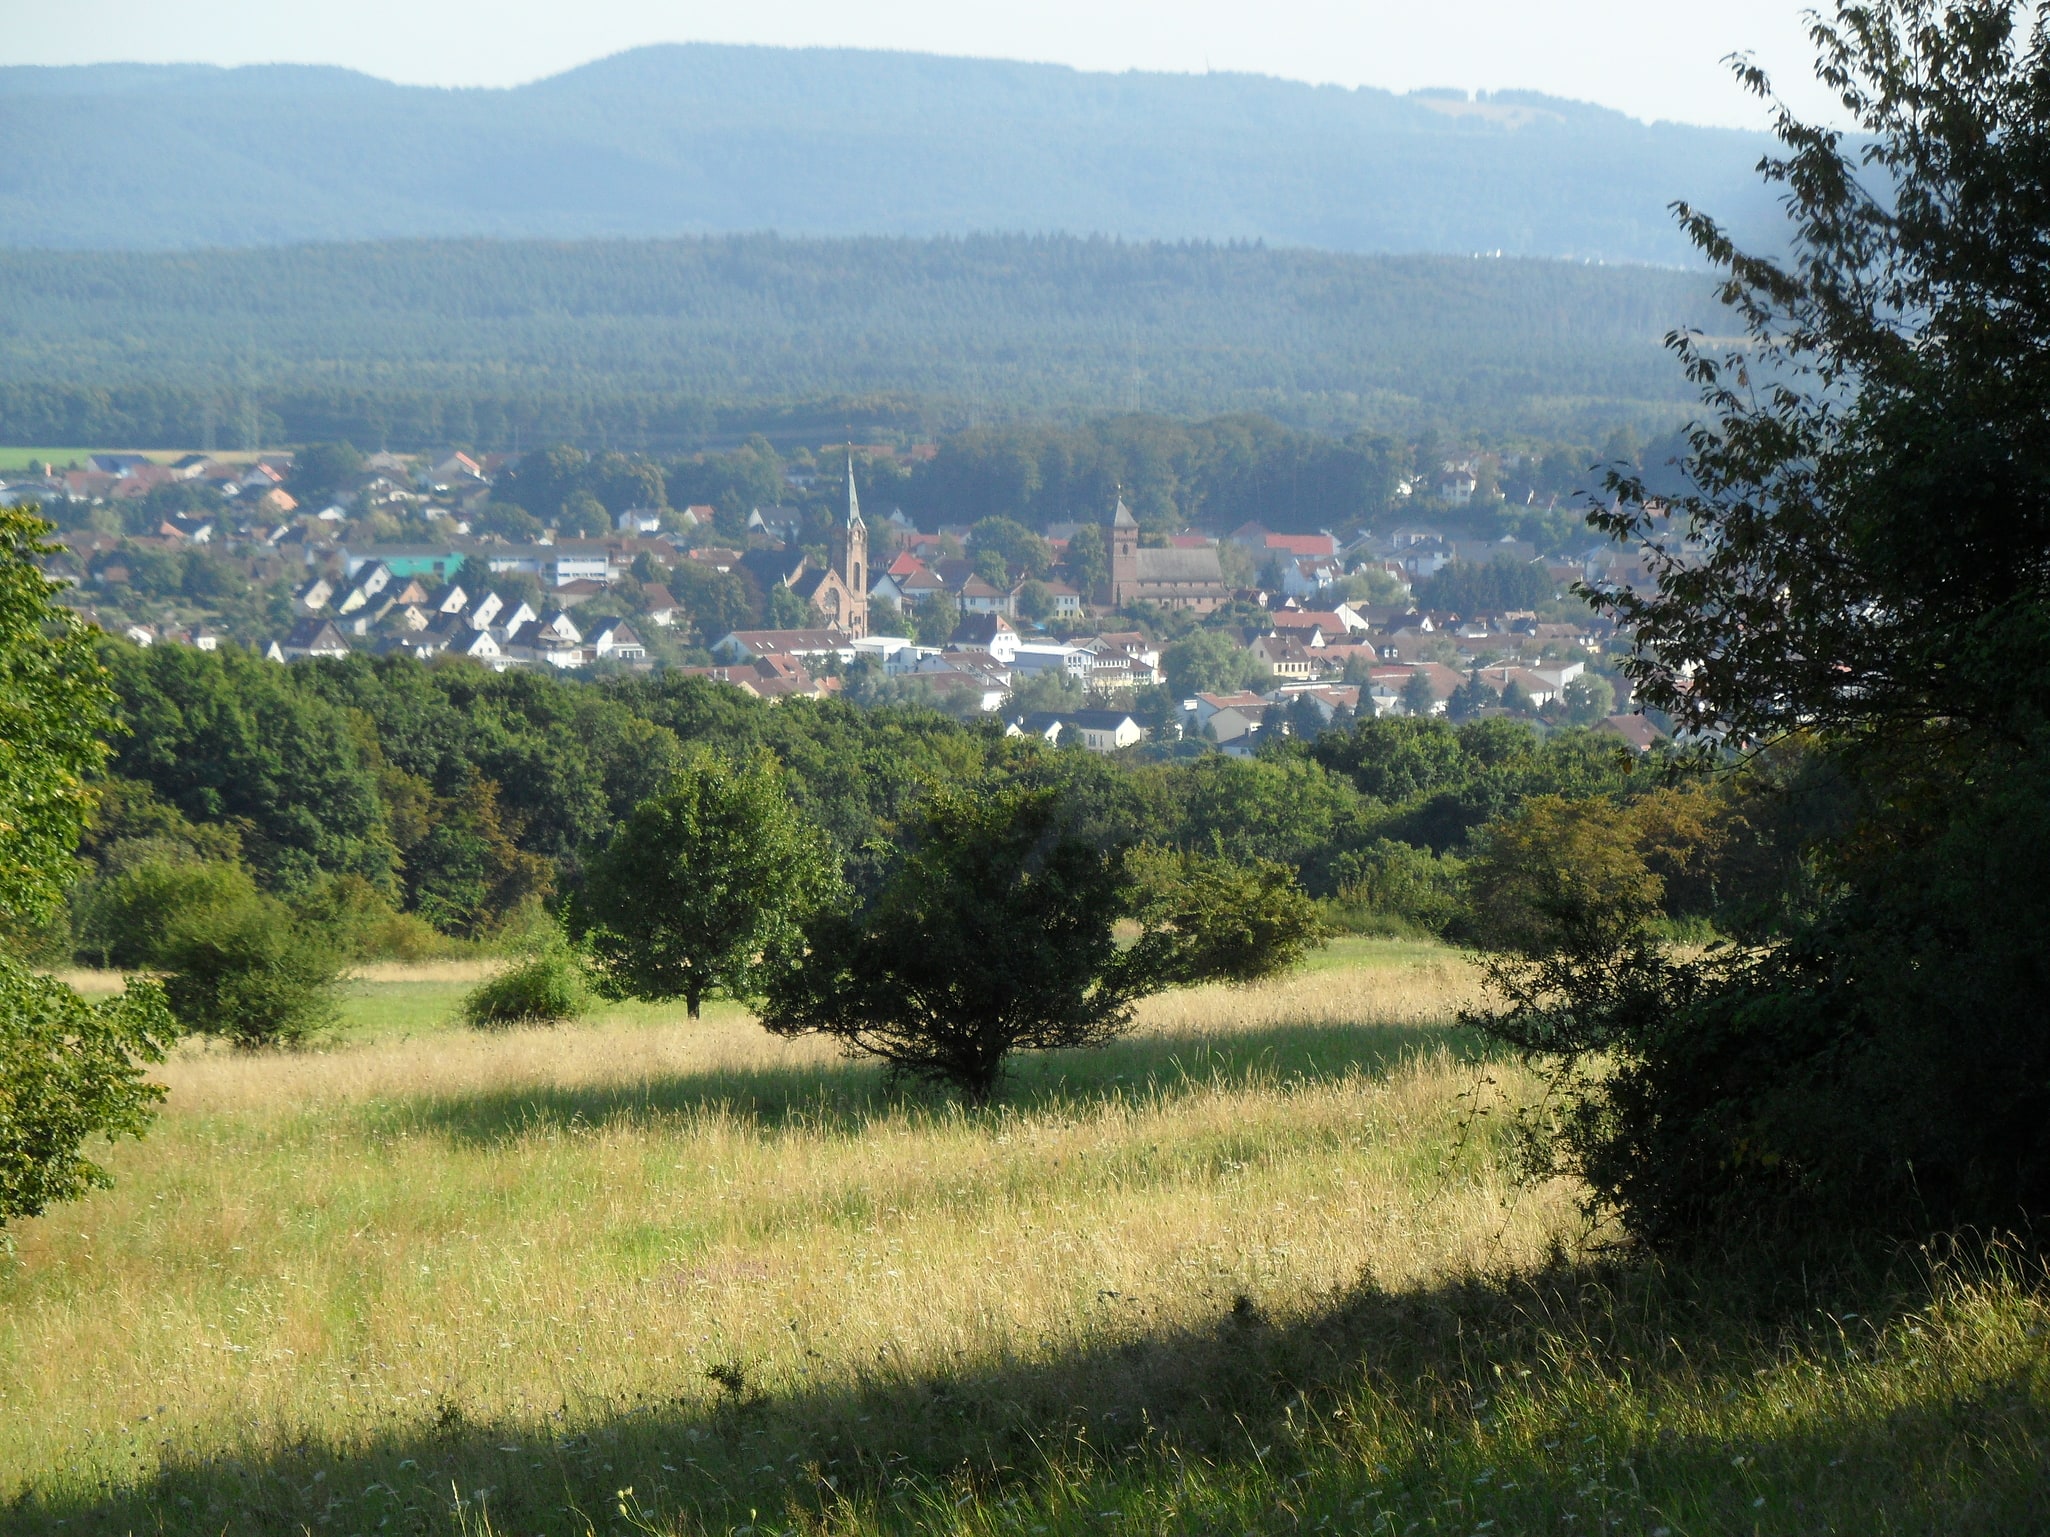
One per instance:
(838, 595)
(1170, 578)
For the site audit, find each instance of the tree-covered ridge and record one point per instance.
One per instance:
(702, 137)
(460, 794)
(668, 343)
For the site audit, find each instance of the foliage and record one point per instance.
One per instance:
(249, 973)
(54, 712)
(994, 931)
(127, 915)
(227, 737)
(70, 1070)
(1470, 587)
(1413, 887)
(320, 470)
(1207, 662)
(1219, 920)
(671, 343)
(1874, 1057)
(705, 885)
(544, 986)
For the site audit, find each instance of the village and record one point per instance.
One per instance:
(1102, 635)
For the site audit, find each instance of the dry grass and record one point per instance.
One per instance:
(348, 1290)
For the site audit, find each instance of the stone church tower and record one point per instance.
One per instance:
(1124, 556)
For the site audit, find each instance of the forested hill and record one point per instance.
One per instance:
(702, 138)
(659, 343)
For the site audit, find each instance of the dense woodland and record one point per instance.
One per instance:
(670, 345)
(470, 799)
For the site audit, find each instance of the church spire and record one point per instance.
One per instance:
(853, 500)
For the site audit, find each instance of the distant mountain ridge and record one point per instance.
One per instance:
(708, 139)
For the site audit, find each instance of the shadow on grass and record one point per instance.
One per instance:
(847, 1095)
(1578, 1399)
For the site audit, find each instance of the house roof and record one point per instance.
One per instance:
(1640, 733)
(1039, 721)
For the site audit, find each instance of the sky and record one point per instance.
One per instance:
(1650, 58)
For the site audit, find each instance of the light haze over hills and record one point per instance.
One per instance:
(705, 138)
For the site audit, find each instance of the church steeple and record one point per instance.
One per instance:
(850, 556)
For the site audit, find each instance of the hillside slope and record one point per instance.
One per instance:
(704, 138)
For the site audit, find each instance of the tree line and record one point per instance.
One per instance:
(418, 343)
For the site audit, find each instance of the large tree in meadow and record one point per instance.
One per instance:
(704, 884)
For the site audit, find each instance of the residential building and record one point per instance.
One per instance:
(312, 636)
(1097, 730)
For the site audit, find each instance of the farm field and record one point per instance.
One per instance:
(1263, 1266)
(16, 461)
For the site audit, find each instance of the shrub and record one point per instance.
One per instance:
(250, 974)
(362, 924)
(1396, 888)
(126, 918)
(544, 987)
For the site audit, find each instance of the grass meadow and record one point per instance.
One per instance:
(1264, 1266)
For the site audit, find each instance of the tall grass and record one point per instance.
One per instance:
(1261, 1266)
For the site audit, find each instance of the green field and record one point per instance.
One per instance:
(1261, 1267)
(14, 461)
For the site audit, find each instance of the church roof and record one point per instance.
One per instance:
(1123, 518)
(1179, 566)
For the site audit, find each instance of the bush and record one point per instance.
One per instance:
(545, 987)
(70, 1071)
(363, 925)
(250, 974)
(126, 918)
(1395, 888)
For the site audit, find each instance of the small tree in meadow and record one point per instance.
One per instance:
(995, 931)
(703, 883)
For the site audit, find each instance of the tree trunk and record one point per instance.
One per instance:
(691, 1000)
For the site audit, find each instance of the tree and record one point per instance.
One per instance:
(1417, 696)
(1207, 662)
(55, 709)
(1470, 587)
(583, 516)
(509, 521)
(787, 611)
(991, 566)
(716, 601)
(1589, 698)
(70, 1071)
(938, 617)
(1035, 601)
(1088, 560)
(1016, 545)
(1469, 699)
(1874, 1058)
(249, 973)
(319, 470)
(704, 885)
(994, 930)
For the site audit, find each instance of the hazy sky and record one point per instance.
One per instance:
(1651, 58)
